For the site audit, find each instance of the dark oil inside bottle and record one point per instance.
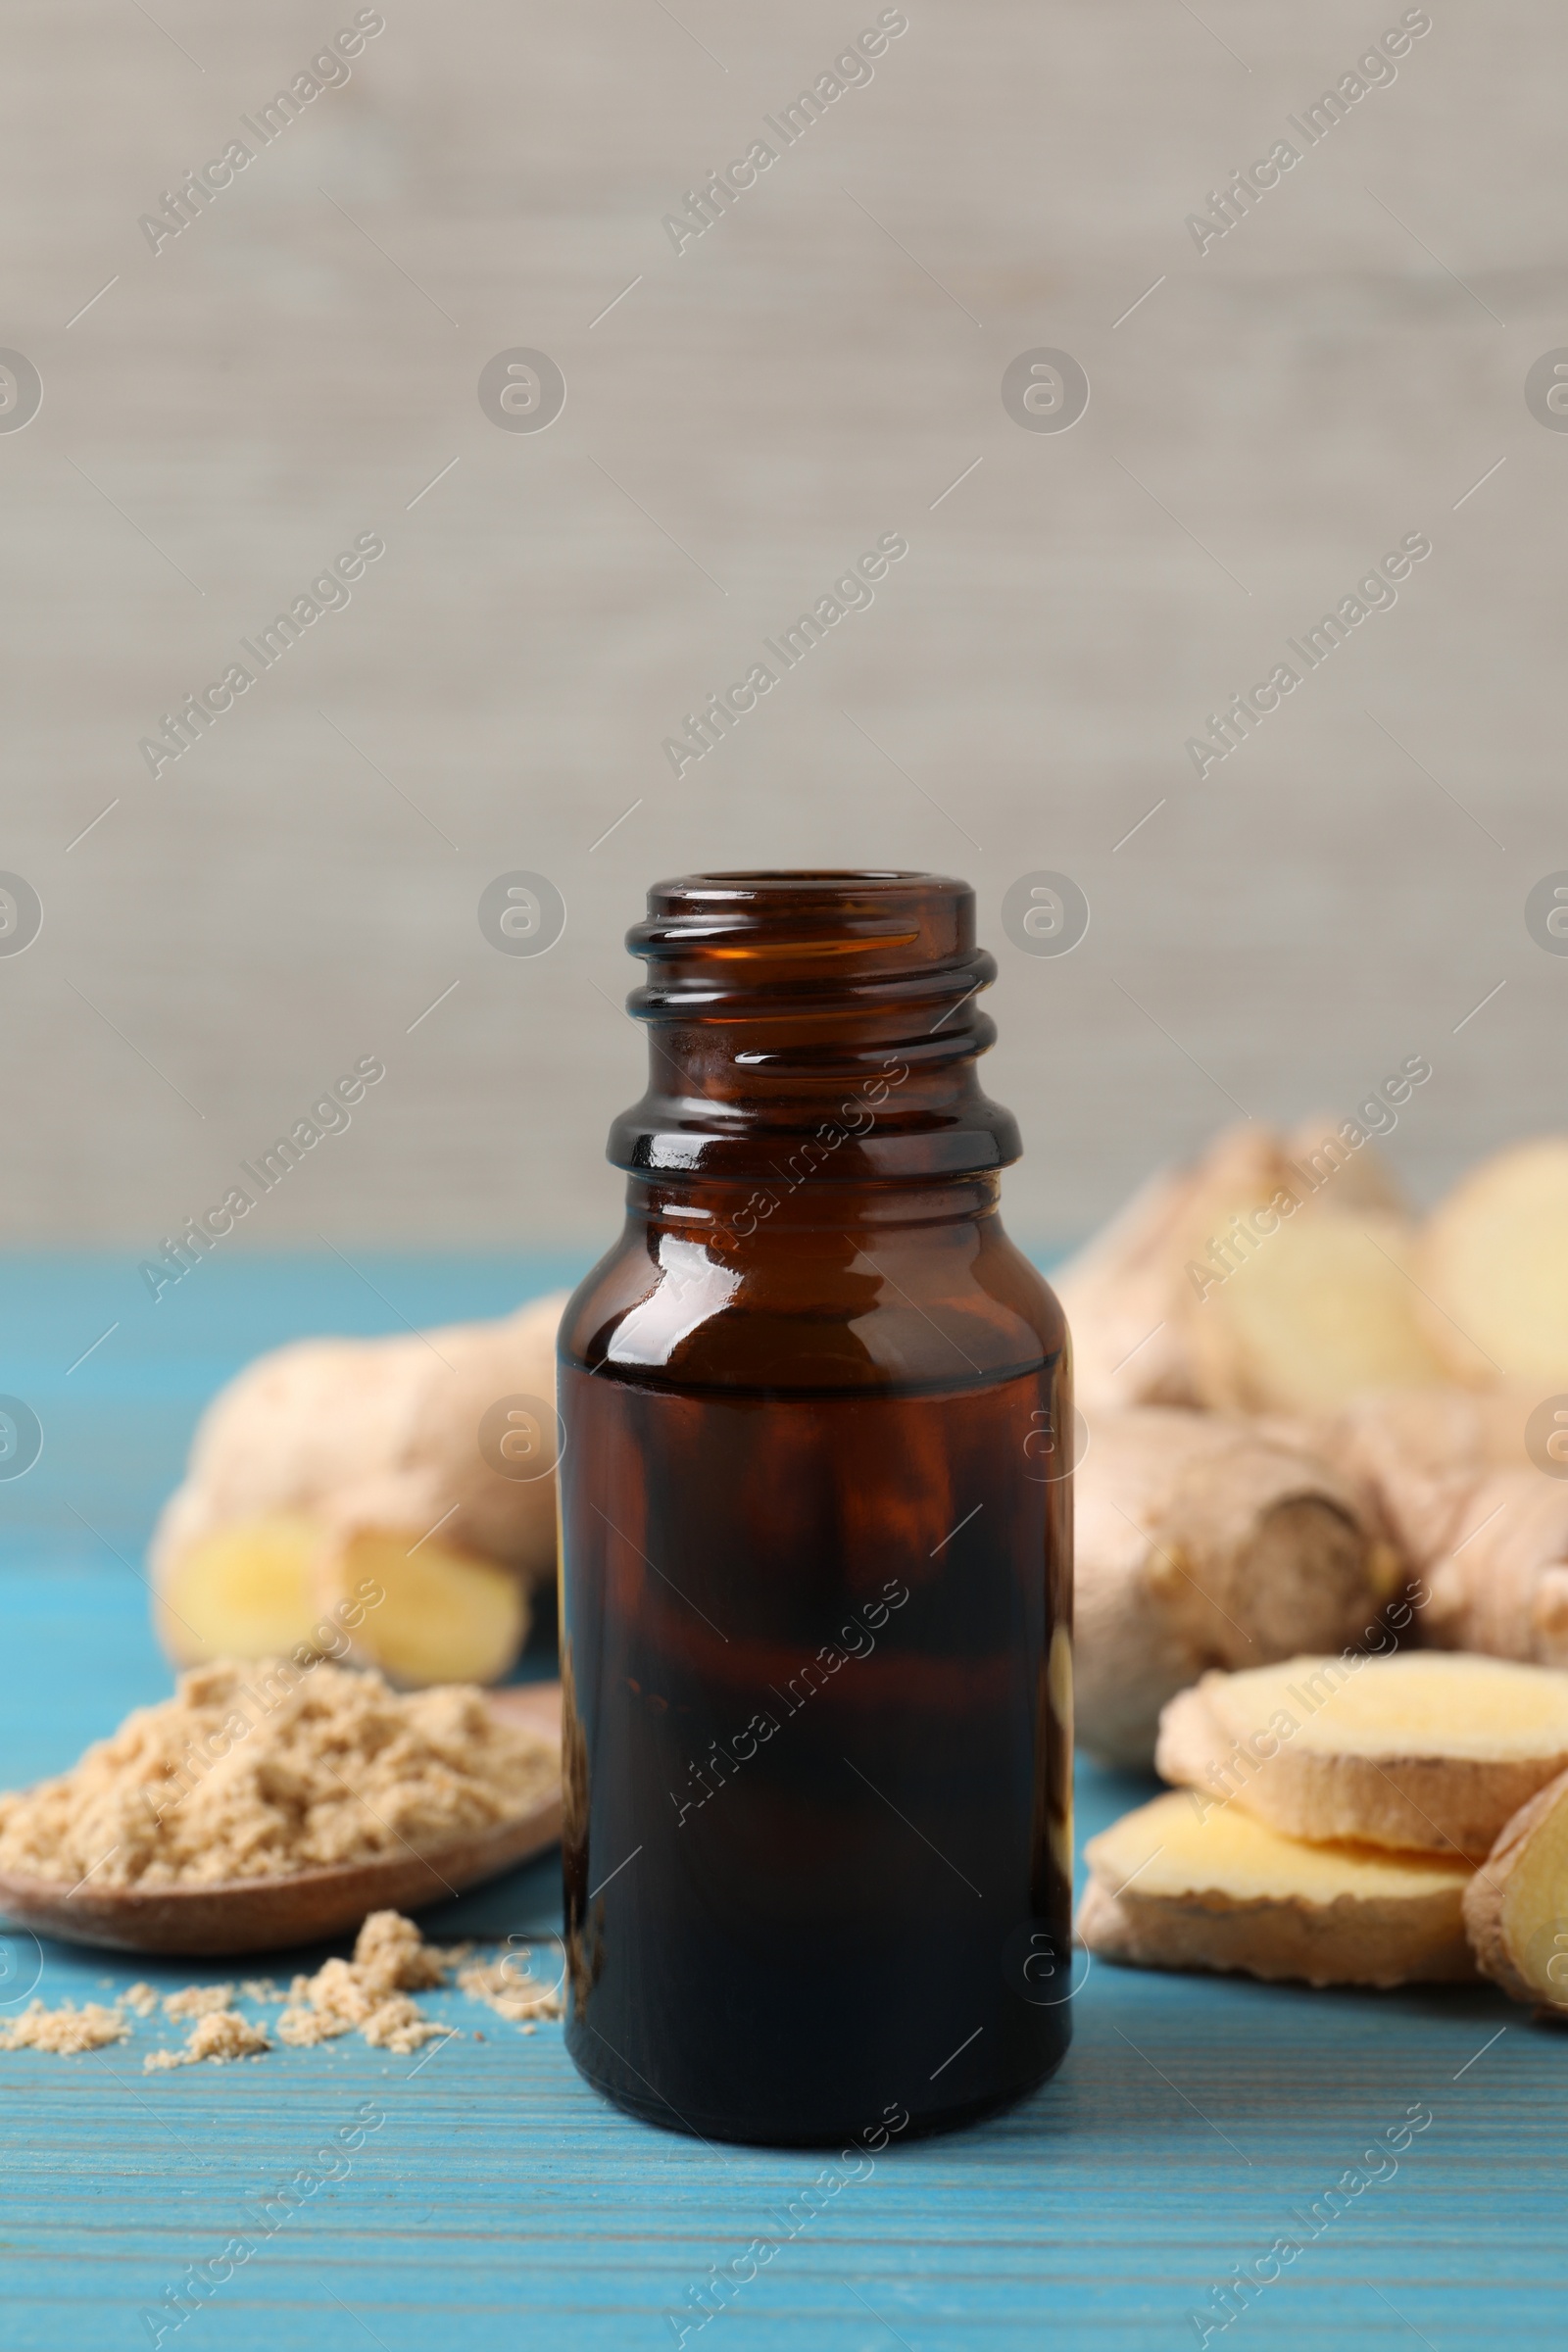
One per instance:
(819, 1876)
(815, 1521)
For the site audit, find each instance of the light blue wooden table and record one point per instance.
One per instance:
(498, 2203)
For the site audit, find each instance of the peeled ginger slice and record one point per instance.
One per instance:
(1428, 1752)
(1322, 1310)
(1516, 1908)
(1494, 1261)
(1175, 1885)
(1174, 1851)
(243, 1592)
(420, 1610)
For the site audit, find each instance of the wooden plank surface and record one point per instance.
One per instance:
(499, 2202)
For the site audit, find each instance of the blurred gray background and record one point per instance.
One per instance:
(300, 366)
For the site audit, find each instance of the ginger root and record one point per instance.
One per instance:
(391, 1500)
(1494, 1262)
(1474, 1512)
(1124, 1294)
(1119, 1297)
(1284, 1274)
(1516, 1906)
(1422, 1752)
(1324, 1309)
(1171, 1887)
(1203, 1542)
(1271, 1276)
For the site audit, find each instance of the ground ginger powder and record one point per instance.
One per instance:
(256, 1771)
(66, 2032)
(370, 1993)
(513, 1992)
(218, 2037)
(196, 2000)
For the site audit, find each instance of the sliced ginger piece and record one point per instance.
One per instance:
(1516, 1907)
(1495, 1262)
(419, 1609)
(1315, 1313)
(1173, 1885)
(244, 1592)
(1428, 1751)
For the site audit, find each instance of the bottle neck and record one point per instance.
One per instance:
(813, 1030)
(722, 1217)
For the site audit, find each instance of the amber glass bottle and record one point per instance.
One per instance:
(815, 1542)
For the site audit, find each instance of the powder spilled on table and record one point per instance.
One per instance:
(372, 1995)
(66, 2032)
(219, 2035)
(370, 1991)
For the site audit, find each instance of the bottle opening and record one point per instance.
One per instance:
(788, 877)
(894, 926)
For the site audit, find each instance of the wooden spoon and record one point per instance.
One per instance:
(310, 1906)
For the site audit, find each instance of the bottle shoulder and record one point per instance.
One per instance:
(905, 1307)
